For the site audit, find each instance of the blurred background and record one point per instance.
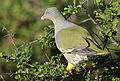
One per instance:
(21, 18)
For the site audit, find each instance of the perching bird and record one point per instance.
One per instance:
(72, 40)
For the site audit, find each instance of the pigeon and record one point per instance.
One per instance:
(74, 41)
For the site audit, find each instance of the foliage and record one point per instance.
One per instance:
(109, 18)
(26, 70)
(72, 9)
(102, 68)
(55, 68)
(48, 37)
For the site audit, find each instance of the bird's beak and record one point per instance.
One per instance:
(43, 17)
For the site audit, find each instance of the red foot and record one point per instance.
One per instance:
(70, 73)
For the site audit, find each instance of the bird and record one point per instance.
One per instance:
(74, 41)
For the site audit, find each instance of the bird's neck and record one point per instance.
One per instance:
(60, 23)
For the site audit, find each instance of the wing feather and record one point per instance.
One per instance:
(71, 38)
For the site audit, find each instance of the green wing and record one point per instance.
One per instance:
(73, 37)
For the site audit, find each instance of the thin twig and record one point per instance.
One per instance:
(46, 55)
(2, 78)
(14, 59)
(114, 42)
(92, 19)
(110, 1)
(106, 64)
(75, 73)
(98, 76)
(34, 41)
(82, 3)
(84, 21)
(97, 16)
(29, 43)
(11, 37)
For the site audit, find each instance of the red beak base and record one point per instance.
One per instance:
(43, 17)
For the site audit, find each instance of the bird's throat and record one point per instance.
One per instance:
(58, 22)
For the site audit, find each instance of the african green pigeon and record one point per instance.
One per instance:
(72, 40)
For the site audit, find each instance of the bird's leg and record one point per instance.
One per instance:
(70, 67)
(89, 65)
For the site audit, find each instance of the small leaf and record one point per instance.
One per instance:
(1, 54)
(79, 6)
(103, 17)
(41, 75)
(17, 76)
(65, 8)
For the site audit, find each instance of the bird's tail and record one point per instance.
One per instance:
(101, 52)
(107, 51)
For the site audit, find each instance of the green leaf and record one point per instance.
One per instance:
(79, 6)
(17, 76)
(103, 17)
(65, 8)
(42, 75)
(115, 21)
(1, 54)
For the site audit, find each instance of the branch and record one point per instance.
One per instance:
(82, 3)
(110, 1)
(11, 37)
(82, 72)
(34, 41)
(2, 78)
(25, 44)
(59, 77)
(5, 56)
(84, 21)
(29, 43)
(106, 64)
(117, 43)
(97, 26)
(46, 55)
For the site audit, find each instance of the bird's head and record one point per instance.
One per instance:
(51, 13)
